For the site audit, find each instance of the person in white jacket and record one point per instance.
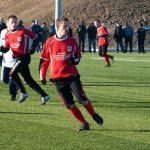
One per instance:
(7, 63)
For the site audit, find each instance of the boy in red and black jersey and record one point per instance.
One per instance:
(62, 54)
(103, 42)
(18, 39)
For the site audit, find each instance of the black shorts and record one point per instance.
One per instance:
(103, 50)
(66, 87)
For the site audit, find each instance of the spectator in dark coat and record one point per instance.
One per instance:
(36, 28)
(70, 31)
(129, 33)
(2, 25)
(52, 30)
(81, 31)
(92, 31)
(45, 33)
(141, 33)
(118, 36)
(20, 24)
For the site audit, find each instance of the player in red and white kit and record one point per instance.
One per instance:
(18, 39)
(103, 42)
(62, 54)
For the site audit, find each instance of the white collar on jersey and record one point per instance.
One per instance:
(62, 39)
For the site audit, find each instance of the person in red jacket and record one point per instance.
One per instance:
(103, 42)
(62, 54)
(18, 39)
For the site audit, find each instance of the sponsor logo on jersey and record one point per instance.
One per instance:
(61, 56)
(19, 38)
(15, 45)
(69, 48)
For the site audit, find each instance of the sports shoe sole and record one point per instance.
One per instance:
(84, 127)
(23, 99)
(45, 100)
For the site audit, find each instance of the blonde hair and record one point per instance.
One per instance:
(60, 20)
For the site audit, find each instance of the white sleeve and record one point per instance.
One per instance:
(1, 42)
(2, 38)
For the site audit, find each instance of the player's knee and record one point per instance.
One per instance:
(84, 103)
(69, 106)
(83, 99)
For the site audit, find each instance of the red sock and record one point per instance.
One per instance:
(106, 59)
(89, 108)
(77, 114)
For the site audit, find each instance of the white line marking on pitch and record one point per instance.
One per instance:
(126, 59)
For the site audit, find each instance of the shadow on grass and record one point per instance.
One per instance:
(143, 67)
(122, 104)
(25, 113)
(118, 106)
(122, 84)
(121, 130)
